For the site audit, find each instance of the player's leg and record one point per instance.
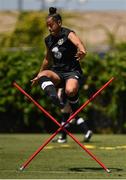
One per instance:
(71, 91)
(65, 113)
(48, 81)
(81, 123)
(72, 86)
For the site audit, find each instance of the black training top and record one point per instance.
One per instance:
(63, 52)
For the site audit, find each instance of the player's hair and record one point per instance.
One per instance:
(53, 13)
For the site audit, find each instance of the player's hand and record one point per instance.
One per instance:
(34, 81)
(79, 55)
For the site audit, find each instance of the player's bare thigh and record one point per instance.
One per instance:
(52, 75)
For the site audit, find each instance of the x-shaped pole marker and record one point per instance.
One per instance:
(62, 127)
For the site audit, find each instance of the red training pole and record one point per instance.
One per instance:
(62, 127)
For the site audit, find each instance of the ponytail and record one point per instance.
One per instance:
(52, 10)
(53, 13)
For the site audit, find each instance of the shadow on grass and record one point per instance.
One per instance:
(91, 142)
(84, 169)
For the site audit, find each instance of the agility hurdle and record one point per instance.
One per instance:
(62, 127)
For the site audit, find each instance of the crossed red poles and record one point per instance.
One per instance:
(62, 127)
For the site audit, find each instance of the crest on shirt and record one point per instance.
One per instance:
(57, 53)
(61, 41)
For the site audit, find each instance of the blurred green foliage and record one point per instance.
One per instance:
(106, 113)
(21, 67)
(110, 106)
(29, 31)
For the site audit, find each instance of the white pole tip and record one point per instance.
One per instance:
(21, 168)
(108, 170)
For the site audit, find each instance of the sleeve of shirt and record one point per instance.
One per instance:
(67, 32)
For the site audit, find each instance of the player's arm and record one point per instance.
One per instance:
(45, 63)
(78, 43)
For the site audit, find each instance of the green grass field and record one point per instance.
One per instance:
(62, 161)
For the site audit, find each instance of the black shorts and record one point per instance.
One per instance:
(64, 76)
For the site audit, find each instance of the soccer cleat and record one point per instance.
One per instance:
(60, 139)
(88, 136)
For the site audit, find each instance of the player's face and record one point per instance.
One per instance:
(53, 26)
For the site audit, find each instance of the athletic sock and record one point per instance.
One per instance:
(74, 102)
(49, 88)
(65, 116)
(81, 123)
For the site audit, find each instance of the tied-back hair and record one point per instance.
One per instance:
(53, 13)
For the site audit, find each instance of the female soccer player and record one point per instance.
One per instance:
(64, 51)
